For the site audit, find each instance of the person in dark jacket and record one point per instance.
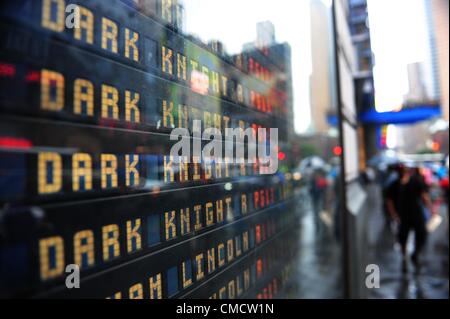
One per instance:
(405, 200)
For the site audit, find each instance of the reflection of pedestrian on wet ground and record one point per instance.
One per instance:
(406, 199)
(317, 189)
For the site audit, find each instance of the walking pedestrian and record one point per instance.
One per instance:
(406, 198)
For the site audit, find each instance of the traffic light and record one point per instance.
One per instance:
(337, 150)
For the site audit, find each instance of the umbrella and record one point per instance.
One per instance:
(311, 163)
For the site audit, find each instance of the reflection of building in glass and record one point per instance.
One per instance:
(273, 61)
(217, 47)
(280, 54)
(265, 34)
(171, 11)
(130, 90)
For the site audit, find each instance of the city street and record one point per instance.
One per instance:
(319, 255)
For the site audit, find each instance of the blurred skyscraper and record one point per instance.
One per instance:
(434, 92)
(417, 93)
(278, 60)
(438, 28)
(265, 34)
(322, 87)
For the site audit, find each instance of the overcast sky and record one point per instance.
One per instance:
(398, 38)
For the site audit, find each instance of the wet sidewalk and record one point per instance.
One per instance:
(318, 274)
(430, 281)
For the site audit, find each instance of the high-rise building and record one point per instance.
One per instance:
(417, 93)
(278, 67)
(434, 92)
(439, 14)
(323, 86)
(265, 34)
(322, 77)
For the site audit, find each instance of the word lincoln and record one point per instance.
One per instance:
(234, 152)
